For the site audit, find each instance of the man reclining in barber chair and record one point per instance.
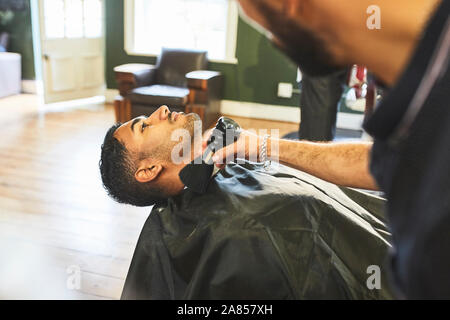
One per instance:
(254, 234)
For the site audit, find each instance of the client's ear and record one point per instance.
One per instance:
(148, 170)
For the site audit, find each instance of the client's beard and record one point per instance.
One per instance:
(191, 118)
(164, 151)
(195, 131)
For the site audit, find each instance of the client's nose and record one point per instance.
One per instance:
(163, 113)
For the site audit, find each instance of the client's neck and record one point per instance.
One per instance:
(172, 181)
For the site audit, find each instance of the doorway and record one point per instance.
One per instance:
(70, 53)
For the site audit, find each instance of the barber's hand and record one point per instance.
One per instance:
(205, 138)
(246, 147)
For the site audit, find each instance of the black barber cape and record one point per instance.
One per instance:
(281, 234)
(411, 162)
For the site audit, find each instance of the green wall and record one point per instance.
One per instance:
(254, 79)
(21, 40)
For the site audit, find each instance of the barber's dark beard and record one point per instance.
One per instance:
(309, 57)
(300, 44)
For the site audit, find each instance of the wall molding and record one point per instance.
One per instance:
(352, 121)
(260, 111)
(110, 95)
(345, 120)
(30, 86)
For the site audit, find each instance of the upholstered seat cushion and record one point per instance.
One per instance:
(159, 95)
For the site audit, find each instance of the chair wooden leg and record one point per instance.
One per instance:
(118, 101)
(198, 108)
(127, 110)
(190, 102)
(122, 109)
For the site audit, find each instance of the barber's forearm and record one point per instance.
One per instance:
(345, 164)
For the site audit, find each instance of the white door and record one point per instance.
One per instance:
(72, 49)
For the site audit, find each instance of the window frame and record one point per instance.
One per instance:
(232, 25)
(83, 36)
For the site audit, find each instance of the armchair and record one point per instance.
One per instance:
(179, 80)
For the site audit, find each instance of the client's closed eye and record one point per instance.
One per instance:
(144, 125)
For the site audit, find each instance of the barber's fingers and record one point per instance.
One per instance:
(246, 147)
(225, 155)
(205, 138)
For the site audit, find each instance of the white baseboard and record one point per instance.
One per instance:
(282, 113)
(89, 103)
(352, 121)
(33, 87)
(29, 86)
(260, 111)
(110, 95)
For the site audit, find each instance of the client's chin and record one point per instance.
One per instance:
(189, 124)
(193, 117)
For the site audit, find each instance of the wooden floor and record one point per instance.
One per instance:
(54, 214)
(55, 217)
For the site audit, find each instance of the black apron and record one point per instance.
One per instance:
(261, 235)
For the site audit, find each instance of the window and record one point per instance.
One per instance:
(73, 19)
(189, 24)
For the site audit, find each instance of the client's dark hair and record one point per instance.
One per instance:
(117, 168)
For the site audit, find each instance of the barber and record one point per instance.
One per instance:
(410, 157)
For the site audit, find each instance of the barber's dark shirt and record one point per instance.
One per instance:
(411, 163)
